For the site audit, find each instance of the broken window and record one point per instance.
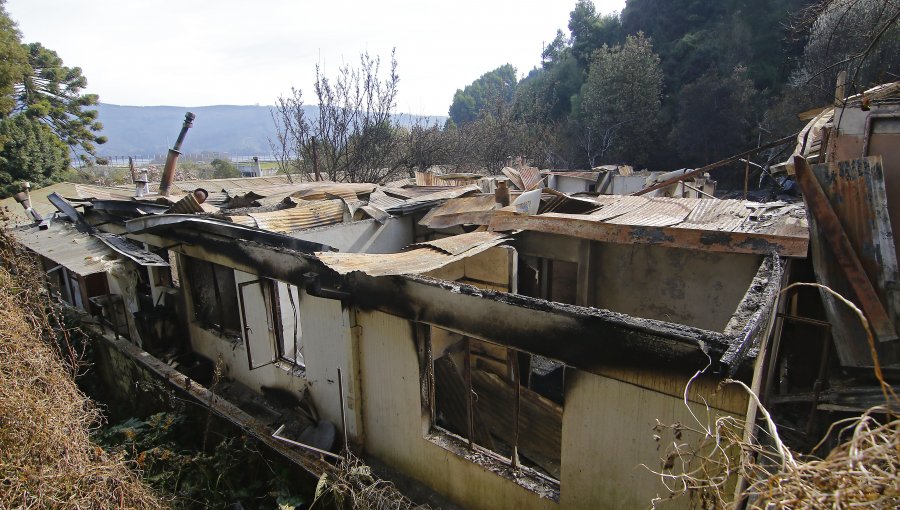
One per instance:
(290, 339)
(497, 398)
(214, 295)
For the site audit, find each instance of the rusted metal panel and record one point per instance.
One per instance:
(855, 190)
(619, 207)
(587, 227)
(422, 258)
(461, 211)
(305, 215)
(658, 212)
(723, 215)
(836, 241)
(531, 178)
(514, 177)
(454, 245)
(458, 179)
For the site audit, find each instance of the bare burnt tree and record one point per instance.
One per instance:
(859, 37)
(354, 137)
(425, 145)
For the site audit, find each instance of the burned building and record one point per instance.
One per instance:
(503, 356)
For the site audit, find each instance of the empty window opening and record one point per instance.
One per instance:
(500, 399)
(214, 295)
(290, 337)
(553, 280)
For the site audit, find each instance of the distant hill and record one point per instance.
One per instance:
(151, 130)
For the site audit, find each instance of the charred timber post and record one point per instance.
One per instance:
(717, 164)
(847, 259)
(172, 159)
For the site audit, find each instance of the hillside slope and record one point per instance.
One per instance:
(151, 130)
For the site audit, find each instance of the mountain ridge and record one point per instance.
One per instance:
(233, 129)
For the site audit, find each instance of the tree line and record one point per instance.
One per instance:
(678, 83)
(663, 84)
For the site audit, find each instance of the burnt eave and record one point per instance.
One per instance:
(582, 337)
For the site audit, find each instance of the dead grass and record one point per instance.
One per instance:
(862, 471)
(47, 459)
(352, 485)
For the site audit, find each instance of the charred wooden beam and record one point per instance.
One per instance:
(711, 241)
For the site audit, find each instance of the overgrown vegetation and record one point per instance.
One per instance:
(166, 449)
(47, 458)
(861, 471)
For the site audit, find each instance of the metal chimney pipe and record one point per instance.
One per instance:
(172, 158)
(24, 199)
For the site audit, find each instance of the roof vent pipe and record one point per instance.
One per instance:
(140, 184)
(24, 198)
(172, 159)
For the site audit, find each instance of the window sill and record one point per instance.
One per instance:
(292, 368)
(493, 462)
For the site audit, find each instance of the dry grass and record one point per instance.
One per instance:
(863, 471)
(47, 459)
(352, 485)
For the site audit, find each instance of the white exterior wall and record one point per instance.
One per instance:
(395, 426)
(233, 351)
(607, 429)
(571, 185)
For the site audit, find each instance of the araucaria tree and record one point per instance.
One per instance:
(43, 113)
(353, 138)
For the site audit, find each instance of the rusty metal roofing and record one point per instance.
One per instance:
(657, 213)
(78, 252)
(623, 205)
(245, 183)
(306, 215)
(382, 200)
(315, 191)
(524, 178)
(455, 245)
(457, 179)
(721, 215)
(531, 178)
(460, 211)
(416, 259)
(748, 227)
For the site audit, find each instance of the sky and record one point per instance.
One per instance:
(245, 52)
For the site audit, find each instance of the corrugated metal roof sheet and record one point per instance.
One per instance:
(657, 213)
(382, 200)
(245, 183)
(531, 178)
(413, 261)
(455, 245)
(305, 215)
(622, 205)
(314, 191)
(63, 244)
(721, 215)
(459, 211)
(458, 179)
